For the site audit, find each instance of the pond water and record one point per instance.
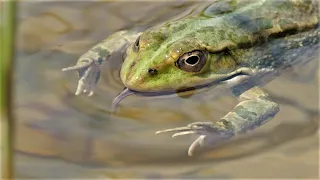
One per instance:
(60, 135)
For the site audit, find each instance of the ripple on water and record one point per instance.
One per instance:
(54, 125)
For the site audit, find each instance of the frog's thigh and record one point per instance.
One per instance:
(115, 43)
(120, 39)
(254, 109)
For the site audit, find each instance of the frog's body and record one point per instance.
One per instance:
(233, 44)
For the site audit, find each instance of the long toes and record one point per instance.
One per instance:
(87, 74)
(174, 130)
(90, 89)
(91, 84)
(87, 86)
(196, 127)
(183, 133)
(71, 68)
(197, 143)
(83, 82)
(92, 80)
(91, 93)
(83, 63)
(200, 125)
(76, 67)
(81, 87)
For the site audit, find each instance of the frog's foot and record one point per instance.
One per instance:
(89, 74)
(204, 129)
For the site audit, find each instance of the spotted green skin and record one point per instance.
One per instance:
(261, 37)
(242, 26)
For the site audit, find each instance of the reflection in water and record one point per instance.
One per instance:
(80, 137)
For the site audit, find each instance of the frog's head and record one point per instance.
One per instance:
(156, 65)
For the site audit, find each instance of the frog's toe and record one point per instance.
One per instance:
(89, 89)
(204, 128)
(208, 131)
(88, 80)
(84, 64)
(81, 87)
(91, 93)
(183, 133)
(74, 68)
(90, 85)
(178, 129)
(190, 129)
(197, 143)
(199, 128)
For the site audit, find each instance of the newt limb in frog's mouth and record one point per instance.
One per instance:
(126, 92)
(234, 78)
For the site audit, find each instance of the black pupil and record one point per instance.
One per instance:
(192, 60)
(137, 42)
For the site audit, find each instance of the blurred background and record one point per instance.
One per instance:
(58, 135)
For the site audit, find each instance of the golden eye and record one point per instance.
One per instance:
(192, 61)
(136, 45)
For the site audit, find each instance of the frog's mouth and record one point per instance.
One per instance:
(234, 79)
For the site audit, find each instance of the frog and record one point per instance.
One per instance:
(236, 45)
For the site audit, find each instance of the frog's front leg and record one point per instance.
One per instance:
(88, 65)
(254, 109)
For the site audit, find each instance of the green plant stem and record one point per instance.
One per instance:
(8, 13)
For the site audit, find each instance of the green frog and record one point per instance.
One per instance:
(237, 45)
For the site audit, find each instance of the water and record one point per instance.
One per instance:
(63, 136)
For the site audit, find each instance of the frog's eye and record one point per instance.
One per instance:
(136, 45)
(191, 61)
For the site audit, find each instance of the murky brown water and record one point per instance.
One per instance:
(63, 136)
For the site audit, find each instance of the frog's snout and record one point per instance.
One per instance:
(137, 80)
(132, 80)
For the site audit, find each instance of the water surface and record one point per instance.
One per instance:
(63, 136)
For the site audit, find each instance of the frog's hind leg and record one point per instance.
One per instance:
(88, 65)
(254, 109)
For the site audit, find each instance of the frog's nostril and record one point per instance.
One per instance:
(152, 71)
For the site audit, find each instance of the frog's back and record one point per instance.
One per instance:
(236, 24)
(236, 27)
(244, 22)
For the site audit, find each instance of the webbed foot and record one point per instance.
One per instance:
(204, 129)
(89, 74)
